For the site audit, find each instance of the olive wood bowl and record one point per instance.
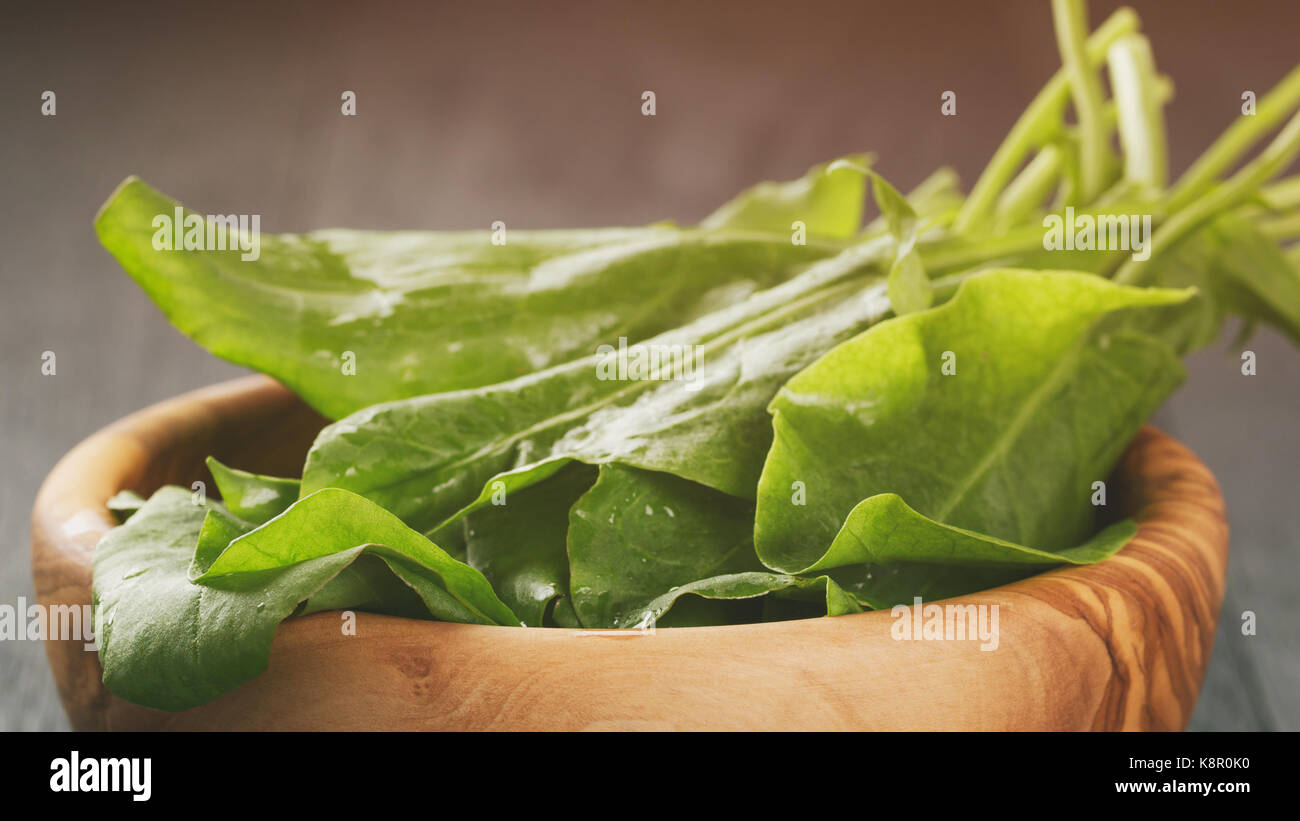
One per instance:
(1121, 645)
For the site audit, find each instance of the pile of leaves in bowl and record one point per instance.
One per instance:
(777, 413)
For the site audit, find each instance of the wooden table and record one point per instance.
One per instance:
(532, 116)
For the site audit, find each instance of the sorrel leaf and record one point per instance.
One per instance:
(519, 544)
(250, 496)
(171, 642)
(827, 200)
(333, 521)
(752, 585)
(958, 410)
(429, 457)
(351, 318)
(637, 535)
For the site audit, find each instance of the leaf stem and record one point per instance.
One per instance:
(1030, 187)
(1282, 228)
(1037, 125)
(1133, 81)
(1070, 18)
(1238, 189)
(1237, 140)
(1283, 194)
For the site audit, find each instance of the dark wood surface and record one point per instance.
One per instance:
(529, 113)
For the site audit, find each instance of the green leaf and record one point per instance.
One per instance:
(909, 287)
(563, 615)
(897, 211)
(350, 318)
(520, 544)
(428, 458)
(752, 585)
(938, 560)
(366, 584)
(251, 496)
(883, 529)
(148, 610)
(170, 643)
(1259, 282)
(994, 413)
(636, 535)
(881, 586)
(330, 522)
(1236, 270)
(124, 504)
(828, 200)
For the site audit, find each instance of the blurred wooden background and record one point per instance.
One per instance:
(530, 113)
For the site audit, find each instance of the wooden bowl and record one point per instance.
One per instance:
(1119, 645)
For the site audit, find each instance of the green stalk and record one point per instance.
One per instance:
(1237, 140)
(1030, 187)
(1238, 189)
(1282, 228)
(941, 181)
(1070, 18)
(1283, 194)
(1069, 190)
(955, 254)
(1161, 92)
(1135, 84)
(1037, 126)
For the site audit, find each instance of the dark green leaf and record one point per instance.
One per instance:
(519, 543)
(636, 535)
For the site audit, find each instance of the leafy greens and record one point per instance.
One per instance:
(835, 417)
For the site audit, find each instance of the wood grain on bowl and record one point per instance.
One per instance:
(1118, 645)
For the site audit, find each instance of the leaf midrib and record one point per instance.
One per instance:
(1016, 429)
